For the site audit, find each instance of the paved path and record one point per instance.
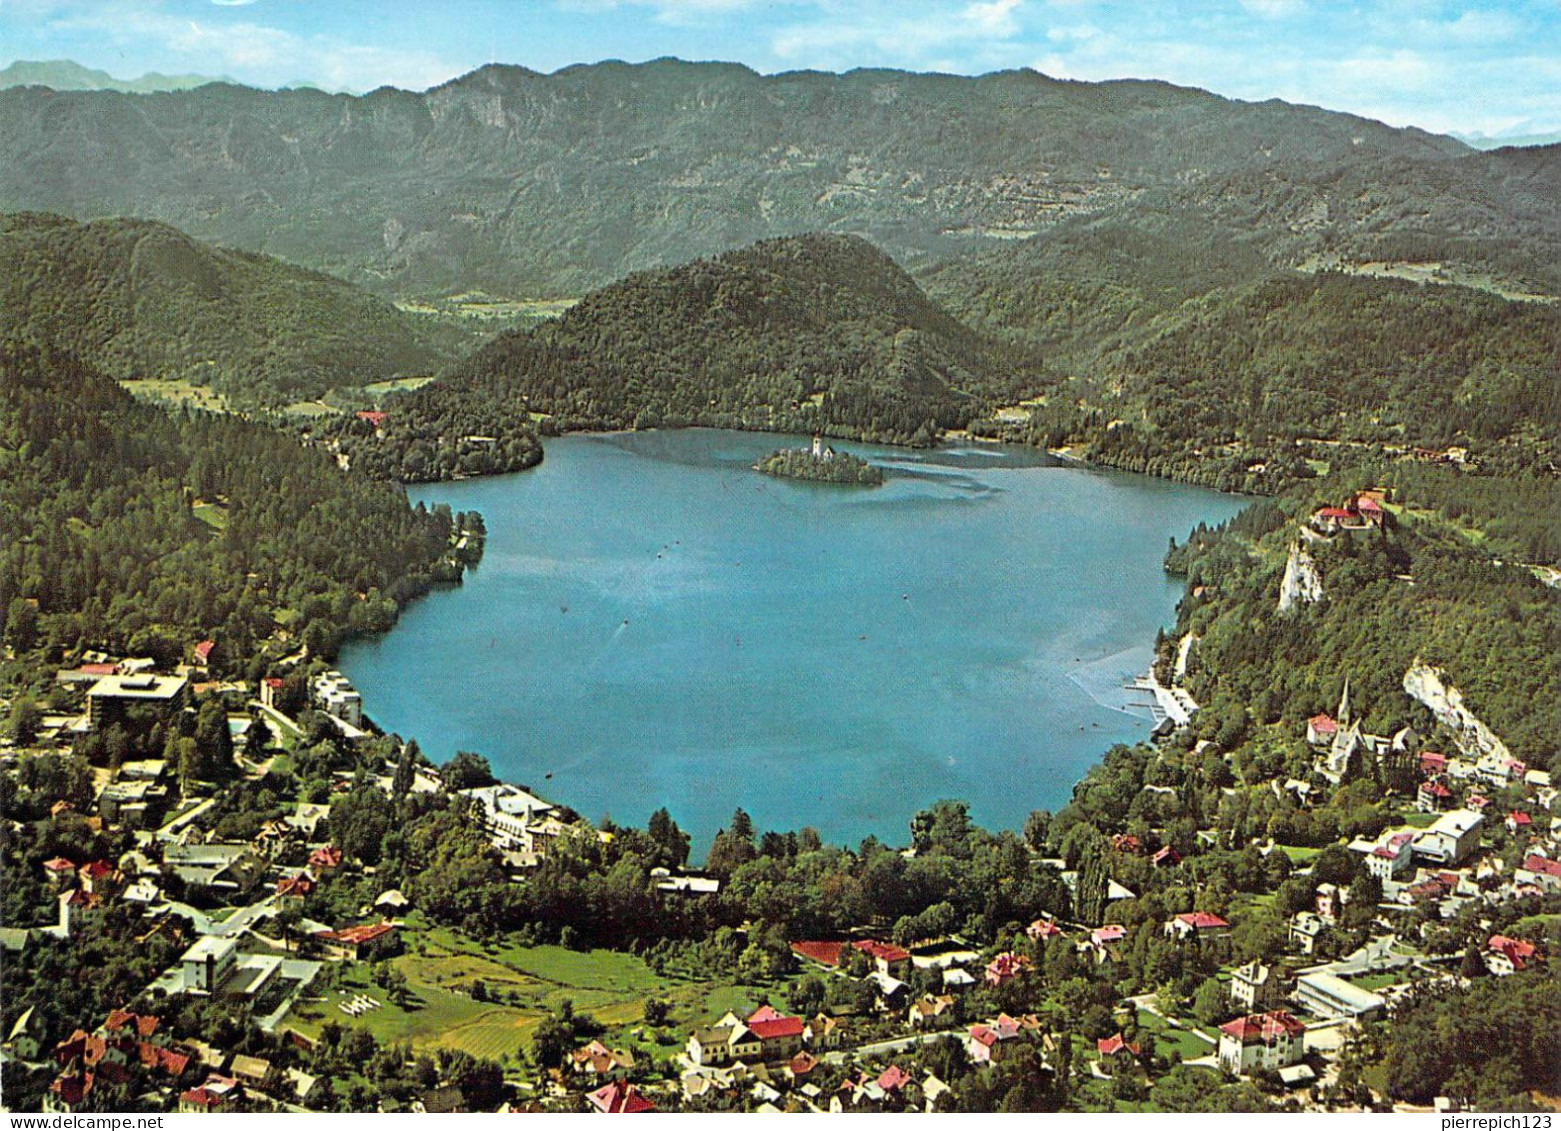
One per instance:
(899, 1044)
(171, 829)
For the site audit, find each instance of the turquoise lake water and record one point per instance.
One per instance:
(654, 623)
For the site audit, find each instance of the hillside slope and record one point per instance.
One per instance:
(510, 181)
(804, 333)
(139, 299)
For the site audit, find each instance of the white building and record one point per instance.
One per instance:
(1452, 838)
(510, 814)
(1328, 995)
(1256, 987)
(209, 963)
(336, 696)
(1261, 1041)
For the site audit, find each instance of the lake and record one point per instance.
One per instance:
(654, 623)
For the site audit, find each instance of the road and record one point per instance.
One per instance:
(899, 1044)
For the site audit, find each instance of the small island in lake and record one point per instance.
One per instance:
(821, 464)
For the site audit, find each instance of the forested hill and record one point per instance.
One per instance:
(513, 181)
(139, 299)
(792, 334)
(131, 528)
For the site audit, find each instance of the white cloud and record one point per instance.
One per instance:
(261, 53)
(993, 18)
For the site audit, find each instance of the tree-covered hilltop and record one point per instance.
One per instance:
(806, 333)
(137, 299)
(1412, 590)
(835, 467)
(137, 530)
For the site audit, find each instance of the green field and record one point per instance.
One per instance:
(396, 385)
(522, 984)
(1190, 1045)
(213, 515)
(1298, 854)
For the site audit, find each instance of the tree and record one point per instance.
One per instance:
(1037, 827)
(1092, 884)
(26, 717)
(1211, 1004)
(671, 841)
(657, 1010)
(466, 771)
(406, 770)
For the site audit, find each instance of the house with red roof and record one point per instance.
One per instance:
(1127, 844)
(69, 1091)
(1043, 929)
(1105, 942)
(1504, 955)
(1196, 924)
(1005, 967)
(100, 877)
(364, 940)
(295, 887)
(1519, 822)
(1261, 1041)
(218, 1093)
(985, 1045)
(1167, 857)
(893, 1079)
(1433, 797)
(599, 1062)
(1116, 1053)
(325, 857)
(203, 652)
(801, 1066)
(889, 959)
(377, 419)
(1320, 730)
(58, 870)
(1432, 763)
(1539, 871)
(780, 1037)
(619, 1098)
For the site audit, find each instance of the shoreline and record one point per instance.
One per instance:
(1100, 748)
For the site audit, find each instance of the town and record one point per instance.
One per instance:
(290, 881)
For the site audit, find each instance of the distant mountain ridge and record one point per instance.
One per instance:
(134, 298)
(515, 182)
(63, 74)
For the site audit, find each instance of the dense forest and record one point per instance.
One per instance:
(138, 299)
(141, 531)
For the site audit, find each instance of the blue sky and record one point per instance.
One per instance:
(1490, 67)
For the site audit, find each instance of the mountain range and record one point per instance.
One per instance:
(64, 74)
(520, 183)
